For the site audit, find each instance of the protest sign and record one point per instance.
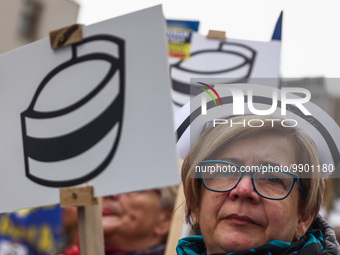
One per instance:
(95, 112)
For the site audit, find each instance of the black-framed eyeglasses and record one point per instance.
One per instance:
(269, 182)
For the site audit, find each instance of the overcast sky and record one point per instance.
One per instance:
(310, 40)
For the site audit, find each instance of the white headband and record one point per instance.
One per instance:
(325, 132)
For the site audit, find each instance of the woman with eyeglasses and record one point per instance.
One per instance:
(247, 192)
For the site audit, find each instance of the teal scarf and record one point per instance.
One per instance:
(311, 243)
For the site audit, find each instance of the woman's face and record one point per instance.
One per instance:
(240, 219)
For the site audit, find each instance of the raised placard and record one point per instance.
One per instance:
(95, 112)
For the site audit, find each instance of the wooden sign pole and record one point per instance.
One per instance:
(66, 36)
(177, 223)
(178, 216)
(216, 34)
(91, 237)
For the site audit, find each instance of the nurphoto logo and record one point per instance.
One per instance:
(245, 101)
(240, 99)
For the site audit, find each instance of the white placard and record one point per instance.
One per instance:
(231, 59)
(98, 112)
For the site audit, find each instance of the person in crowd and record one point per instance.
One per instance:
(244, 196)
(137, 222)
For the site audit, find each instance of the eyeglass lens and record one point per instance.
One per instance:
(270, 183)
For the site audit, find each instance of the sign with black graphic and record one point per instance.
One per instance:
(42, 151)
(95, 112)
(231, 59)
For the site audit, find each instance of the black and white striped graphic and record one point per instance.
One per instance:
(66, 123)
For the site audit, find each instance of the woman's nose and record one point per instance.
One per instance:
(245, 190)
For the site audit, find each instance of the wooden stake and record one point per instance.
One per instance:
(66, 36)
(78, 196)
(177, 222)
(215, 34)
(91, 236)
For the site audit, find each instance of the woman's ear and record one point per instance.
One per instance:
(303, 224)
